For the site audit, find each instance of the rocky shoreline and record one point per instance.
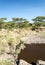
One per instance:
(33, 39)
(21, 61)
(39, 62)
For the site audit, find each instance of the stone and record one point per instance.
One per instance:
(40, 62)
(23, 62)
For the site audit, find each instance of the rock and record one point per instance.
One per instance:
(6, 57)
(33, 39)
(40, 62)
(23, 62)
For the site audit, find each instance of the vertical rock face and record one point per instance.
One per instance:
(23, 62)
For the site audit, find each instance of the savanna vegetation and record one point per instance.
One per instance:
(22, 23)
(10, 35)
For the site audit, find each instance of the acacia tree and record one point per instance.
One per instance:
(2, 21)
(17, 20)
(39, 21)
(39, 18)
(20, 22)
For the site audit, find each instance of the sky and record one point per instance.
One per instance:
(28, 9)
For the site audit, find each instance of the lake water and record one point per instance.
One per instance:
(33, 52)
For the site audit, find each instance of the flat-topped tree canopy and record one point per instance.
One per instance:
(39, 19)
(17, 20)
(3, 19)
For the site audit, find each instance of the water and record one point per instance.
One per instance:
(33, 52)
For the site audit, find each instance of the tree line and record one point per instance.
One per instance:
(22, 23)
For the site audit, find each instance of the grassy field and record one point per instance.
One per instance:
(10, 40)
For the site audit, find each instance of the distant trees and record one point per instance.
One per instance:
(39, 21)
(2, 20)
(16, 23)
(39, 18)
(22, 23)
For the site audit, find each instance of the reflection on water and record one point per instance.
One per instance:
(33, 52)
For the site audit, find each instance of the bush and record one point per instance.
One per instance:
(12, 41)
(34, 27)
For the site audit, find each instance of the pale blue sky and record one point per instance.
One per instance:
(22, 8)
